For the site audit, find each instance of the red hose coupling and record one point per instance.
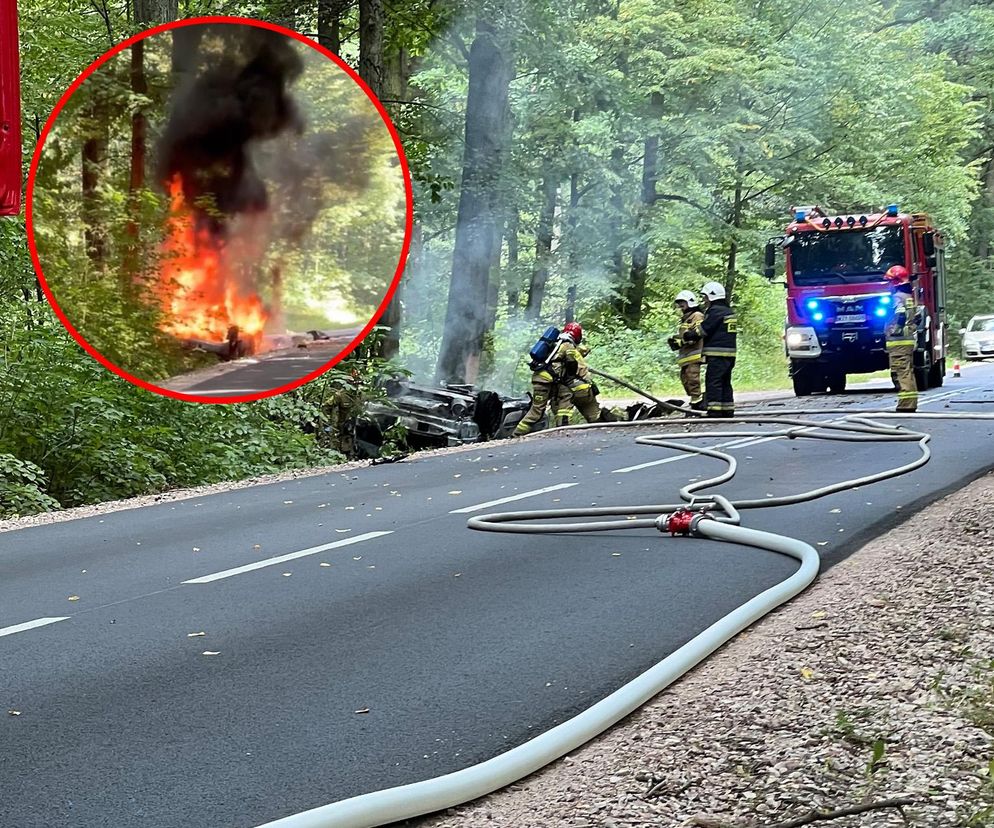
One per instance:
(679, 522)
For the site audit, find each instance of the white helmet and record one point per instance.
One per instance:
(713, 290)
(688, 297)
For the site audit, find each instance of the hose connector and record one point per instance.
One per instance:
(678, 523)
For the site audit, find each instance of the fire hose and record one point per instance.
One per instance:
(708, 516)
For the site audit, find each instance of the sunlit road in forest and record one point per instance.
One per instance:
(229, 659)
(269, 371)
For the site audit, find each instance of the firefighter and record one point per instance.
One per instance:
(688, 356)
(717, 334)
(901, 333)
(564, 381)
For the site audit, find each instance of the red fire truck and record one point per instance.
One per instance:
(838, 301)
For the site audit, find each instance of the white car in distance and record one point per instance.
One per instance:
(978, 337)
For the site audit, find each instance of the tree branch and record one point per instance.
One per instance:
(823, 816)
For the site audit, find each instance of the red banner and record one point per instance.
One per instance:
(10, 112)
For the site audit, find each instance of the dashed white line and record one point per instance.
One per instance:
(741, 441)
(303, 553)
(508, 499)
(30, 625)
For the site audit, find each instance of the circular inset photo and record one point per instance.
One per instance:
(219, 210)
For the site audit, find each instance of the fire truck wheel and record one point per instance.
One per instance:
(803, 385)
(937, 374)
(921, 377)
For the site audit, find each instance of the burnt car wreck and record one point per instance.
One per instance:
(438, 417)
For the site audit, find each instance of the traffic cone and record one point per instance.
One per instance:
(956, 368)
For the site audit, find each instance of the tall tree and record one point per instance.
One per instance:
(490, 71)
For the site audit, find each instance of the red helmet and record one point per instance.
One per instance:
(574, 330)
(897, 275)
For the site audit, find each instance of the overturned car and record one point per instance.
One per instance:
(437, 417)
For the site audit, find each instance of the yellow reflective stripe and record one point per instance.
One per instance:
(894, 343)
(907, 395)
(544, 375)
(719, 352)
(688, 359)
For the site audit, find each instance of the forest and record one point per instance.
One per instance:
(568, 158)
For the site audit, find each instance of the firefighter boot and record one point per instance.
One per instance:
(700, 405)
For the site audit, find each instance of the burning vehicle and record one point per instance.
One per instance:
(450, 415)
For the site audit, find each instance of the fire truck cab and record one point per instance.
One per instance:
(838, 301)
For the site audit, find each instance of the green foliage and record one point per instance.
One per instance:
(22, 488)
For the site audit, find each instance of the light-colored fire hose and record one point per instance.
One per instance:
(705, 516)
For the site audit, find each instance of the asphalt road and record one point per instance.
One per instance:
(406, 646)
(252, 375)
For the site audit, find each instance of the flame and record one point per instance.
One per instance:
(199, 292)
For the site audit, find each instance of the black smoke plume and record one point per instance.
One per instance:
(233, 89)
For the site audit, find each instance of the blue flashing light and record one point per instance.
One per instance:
(881, 311)
(812, 304)
(884, 300)
(892, 210)
(818, 317)
(799, 216)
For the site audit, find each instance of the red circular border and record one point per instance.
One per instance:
(408, 224)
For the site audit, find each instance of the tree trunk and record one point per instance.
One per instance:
(139, 130)
(987, 199)
(635, 294)
(371, 23)
(94, 162)
(156, 11)
(513, 283)
(733, 246)
(615, 227)
(330, 13)
(490, 73)
(543, 244)
(186, 43)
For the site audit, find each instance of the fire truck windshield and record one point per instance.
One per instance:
(845, 256)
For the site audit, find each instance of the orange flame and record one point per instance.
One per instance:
(200, 295)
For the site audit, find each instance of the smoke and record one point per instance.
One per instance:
(236, 92)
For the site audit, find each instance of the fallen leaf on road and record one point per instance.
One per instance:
(349, 508)
(363, 710)
(457, 575)
(195, 635)
(196, 548)
(357, 557)
(823, 543)
(819, 614)
(324, 564)
(287, 574)
(343, 530)
(322, 505)
(14, 712)
(379, 508)
(834, 511)
(456, 491)
(457, 476)
(73, 597)
(615, 554)
(287, 502)
(256, 546)
(807, 673)
(210, 653)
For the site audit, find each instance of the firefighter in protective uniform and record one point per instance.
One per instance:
(689, 354)
(901, 333)
(564, 381)
(717, 334)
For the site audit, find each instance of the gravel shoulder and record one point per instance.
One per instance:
(876, 683)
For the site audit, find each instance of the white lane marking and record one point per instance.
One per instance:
(936, 397)
(521, 496)
(740, 441)
(30, 625)
(303, 553)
